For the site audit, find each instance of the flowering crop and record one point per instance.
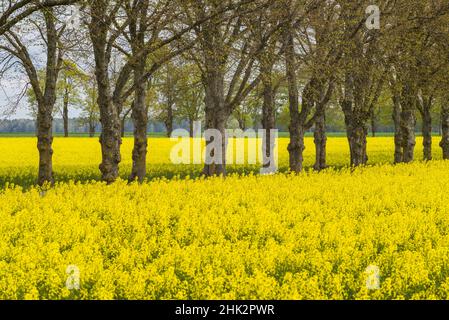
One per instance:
(310, 236)
(77, 159)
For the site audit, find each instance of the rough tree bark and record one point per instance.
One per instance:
(140, 120)
(373, 123)
(296, 145)
(356, 128)
(122, 127)
(110, 138)
(425, 108)
(444, 144)
(398, 155)
(44, 144)
(191, 127)
(408, 123)
(268, 107)
(216, 118)
(169, 118)
(357, 132)
(321, 95)
(427, 135)
(139, 16)
(46, 104)
(320, 139)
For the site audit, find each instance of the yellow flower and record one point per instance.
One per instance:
(309, 236)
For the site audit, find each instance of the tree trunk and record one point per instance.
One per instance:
(91, 128)
(398, 155)
(356, 131)
(356, 128)
(216, 118)
(357, 143)
(44, 144)
(46, 102)
(122, 127)
(444, 144)
(320, 137)
(169, 119)
(408, 123)
(65, 113)
(373, 124)
(320, 140)
(242, 123)
(268, 107)
(427, 131)
(140, 120)
(191, 124)
(110, 138)
(296, 145)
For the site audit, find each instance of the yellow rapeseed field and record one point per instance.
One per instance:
(78, 158)
(311, 236)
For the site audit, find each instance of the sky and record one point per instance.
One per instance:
(9, 91)
(15, 80)
(12, 85)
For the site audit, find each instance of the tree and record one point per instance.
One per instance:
(148, 22)
(317, 91)
(321, 55)
(190, 97)
(167, 85)
(180, 94)
(68, 92)
(14, 11)
(445, 129)
(45, 95)
(104, 30)
(265, 28)
(225, 54)
(441, 36)
(90, 115)
(412, 47)
(363, 78)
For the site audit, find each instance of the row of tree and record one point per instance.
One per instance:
(225, 58)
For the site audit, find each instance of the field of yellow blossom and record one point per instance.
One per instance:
(311, 236)
(77, 159)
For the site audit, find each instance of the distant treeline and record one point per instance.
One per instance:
(76, 125)
(79, 126)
